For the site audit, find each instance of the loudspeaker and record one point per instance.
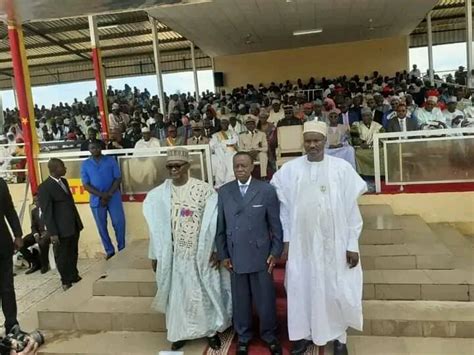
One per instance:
(219, 79)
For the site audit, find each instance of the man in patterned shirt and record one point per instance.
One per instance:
(193, 290)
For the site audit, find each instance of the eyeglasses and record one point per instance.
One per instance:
(175, 166)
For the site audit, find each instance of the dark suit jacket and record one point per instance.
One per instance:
(37, 223)
(353, 117)
(249, 227)
(378, 116)
(7, 213)
(394, 126)
(60, 214)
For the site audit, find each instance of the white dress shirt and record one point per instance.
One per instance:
(244, 187)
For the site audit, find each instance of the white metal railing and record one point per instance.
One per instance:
(139, 157)
(311, 94)
(6, 159)
(460, 135)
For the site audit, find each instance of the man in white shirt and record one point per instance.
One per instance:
(451, 114)
(430, 116)
(118, 120)
(415, 72)
(276, 114)
(147, 141)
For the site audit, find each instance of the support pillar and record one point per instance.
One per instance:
(213, 71)
(156, 52)
(24, 97)
(430, 48)
(195, 76)
(99, 76)
(469, 42)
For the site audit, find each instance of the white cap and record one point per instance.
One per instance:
(315, 127)
(115, 106)
(145, 130)
(432, 99)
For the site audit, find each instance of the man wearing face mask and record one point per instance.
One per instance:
(193, 291)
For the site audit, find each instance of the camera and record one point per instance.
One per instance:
(17, 340)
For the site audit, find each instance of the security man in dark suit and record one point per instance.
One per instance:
(62, 221)
(249, 241)
(7, 246)
(402, 119)
(38, 235)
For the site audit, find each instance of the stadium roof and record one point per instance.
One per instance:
(448, 22)
(58, 50)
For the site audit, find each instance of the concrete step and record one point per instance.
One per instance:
(126, 283)
(365, 345)
(412, 255)
(112, 342)
(408, 262)
(382, 222)
(440, 285)
(381, 237)
(436, 285)
(375, 210)
(388, 318)
(441, 319)
(104, 314)
(149, 343)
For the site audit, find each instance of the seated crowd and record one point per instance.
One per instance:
(248, 118)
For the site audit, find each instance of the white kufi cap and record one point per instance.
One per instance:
(315, 127)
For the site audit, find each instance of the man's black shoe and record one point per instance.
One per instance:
(300, 346)
(77, 279)
(214, 342)
(32, 269)
(109, 256)
(275, 348)
(339, 348)
(66, 287)
(44, 270)
(178, 345)
(242, 348)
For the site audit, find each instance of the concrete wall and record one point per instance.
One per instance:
(455, 208)
(387, 55)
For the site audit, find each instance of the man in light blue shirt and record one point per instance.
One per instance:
(101, 177)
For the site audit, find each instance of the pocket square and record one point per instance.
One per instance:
(257, 206)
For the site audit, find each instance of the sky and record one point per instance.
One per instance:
(445, 58)
(172, 83)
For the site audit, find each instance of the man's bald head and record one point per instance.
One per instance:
(56, 167)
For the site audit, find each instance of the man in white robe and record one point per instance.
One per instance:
(192, 290)
(453, 117)
(223, 147)
(147, 142)
(277, 113)
(321, 226)
(430, 116)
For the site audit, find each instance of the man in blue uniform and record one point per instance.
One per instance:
(101, 177)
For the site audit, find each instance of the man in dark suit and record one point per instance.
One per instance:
(249, 240)
(7, 246)
(38, 235)
(402, 122)
(62, 221)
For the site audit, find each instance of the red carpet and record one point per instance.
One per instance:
(258, 347)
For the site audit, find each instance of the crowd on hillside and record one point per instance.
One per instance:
(354, 107)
